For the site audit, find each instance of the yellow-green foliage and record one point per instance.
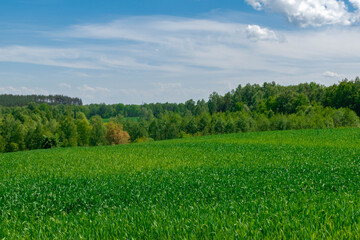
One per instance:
(274, 185)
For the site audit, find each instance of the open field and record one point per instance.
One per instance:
(290, 184)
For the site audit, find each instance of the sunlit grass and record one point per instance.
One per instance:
(291, 184)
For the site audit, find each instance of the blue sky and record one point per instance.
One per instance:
(170, 51)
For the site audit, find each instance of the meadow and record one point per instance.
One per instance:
(261, 185)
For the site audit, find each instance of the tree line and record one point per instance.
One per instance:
(259, 98)
(246, 108)
(10, 100)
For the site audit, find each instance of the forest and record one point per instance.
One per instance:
(48, 122)
(10, 100)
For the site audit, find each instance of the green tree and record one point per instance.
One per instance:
(116, 135)
(203, 123)
(34, 136)
(191, 126)
(214, 103)
(13, 133)
(263, 123)
(83, 129)
(190, 105)
(97, 135)
(154, 131)
(229, 126)
(219, 126)
(350, 119)
(67, 132)
(135, 129)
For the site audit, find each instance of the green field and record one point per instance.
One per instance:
(291, 184)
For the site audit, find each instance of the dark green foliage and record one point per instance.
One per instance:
(49, 142)
(83, 129)
(12, 132)
(97, 136)
(18, 100)
(34, 137)
(2, 144)
(67, 132)
(219, 126)
(346, 94)
(136, 129)
(191, 125)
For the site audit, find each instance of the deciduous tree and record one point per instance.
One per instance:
(116, 135)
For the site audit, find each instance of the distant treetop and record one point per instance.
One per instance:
(9, 100)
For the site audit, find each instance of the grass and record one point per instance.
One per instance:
(267, 185)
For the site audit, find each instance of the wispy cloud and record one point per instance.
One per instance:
(143, 28)
(179, 45)
(87, 88)
(162, 58)
(90, 92)
(22, 90)
(167, 86)
(50, 56)
(65, 85)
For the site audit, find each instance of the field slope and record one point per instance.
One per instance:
(290, 184)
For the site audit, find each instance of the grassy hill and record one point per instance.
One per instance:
(288, 184)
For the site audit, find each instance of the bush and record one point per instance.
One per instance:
(12, 147)
(143, 139)
(2, 144)
(49, 142)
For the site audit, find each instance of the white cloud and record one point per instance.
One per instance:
(143, 29)
(174, 45)
(330, 74)
(65, 85)
(161, 44)
(311, 12)
(87, 88)
(174, 59)
(256, 33)
(60, 57)
(167, 86)
(255, 4)
(89, 93)
(22, 90)
(355, 3)
(195, 25)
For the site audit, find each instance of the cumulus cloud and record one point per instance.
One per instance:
(330, 74)
(355, 3)
(311, 12)
(256, 33)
